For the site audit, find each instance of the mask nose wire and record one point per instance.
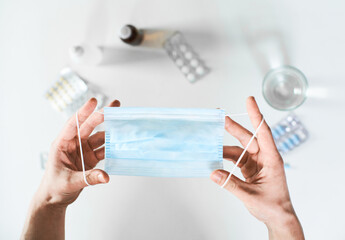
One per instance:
(242, 154)
(237, 114)
(81, 150)
(229, 115)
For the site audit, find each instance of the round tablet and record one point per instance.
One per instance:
(194, 62)
(200, 70)
(185, 69)
(174, 53)
(183, 47)
(188, 55)
(191, 77)
(179, 62)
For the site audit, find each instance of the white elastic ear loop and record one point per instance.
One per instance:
(244, 151)
(81, 150)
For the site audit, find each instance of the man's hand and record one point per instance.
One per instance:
(264, 191)
(63, 179)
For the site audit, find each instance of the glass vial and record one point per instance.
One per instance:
(131, 35)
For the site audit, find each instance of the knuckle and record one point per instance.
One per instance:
(89, 179)
(231, 186)
(92, 178)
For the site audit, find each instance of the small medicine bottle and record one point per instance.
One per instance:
(131, 35)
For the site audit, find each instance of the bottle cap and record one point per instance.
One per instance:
(131, 35)
(125, 32)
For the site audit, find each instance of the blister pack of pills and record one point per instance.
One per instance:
(289, 133)
(185, 58)
(70, 92)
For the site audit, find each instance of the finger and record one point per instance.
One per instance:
(100, 153)
(96, 140)
(264, 135)
(93, 177)
(94, 120)
(241, 134)
(247, 165)
(235, 185)
(232, 153)
(94, 157)
(96, 176)
(70, 130)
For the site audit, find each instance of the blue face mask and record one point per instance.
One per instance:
(163, 142)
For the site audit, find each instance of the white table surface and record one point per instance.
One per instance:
(34, 38)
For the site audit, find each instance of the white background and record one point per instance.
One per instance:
(34, 38)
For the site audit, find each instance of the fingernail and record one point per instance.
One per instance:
(100, 177)
(217, 176)
(116, 103)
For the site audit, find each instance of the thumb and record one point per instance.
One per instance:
(235, 185)
(96, 176)
(93, 177)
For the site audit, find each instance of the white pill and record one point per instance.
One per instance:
(174, 53)
(185, 69)
(191, 77)
(179, 62)
(188, 55)
(183, 47)
(200, 70)
(194, 62)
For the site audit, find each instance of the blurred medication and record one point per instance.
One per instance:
(285, 88)
(175, 45)
(185, 58)
(144, 37)
(70, 92)
(86, 54)
(289, 133)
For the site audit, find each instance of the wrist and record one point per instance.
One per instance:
(45, 199)
(285, 226)
(54, 194)
(44, 219)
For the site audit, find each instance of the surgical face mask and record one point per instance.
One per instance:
(163, 142)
